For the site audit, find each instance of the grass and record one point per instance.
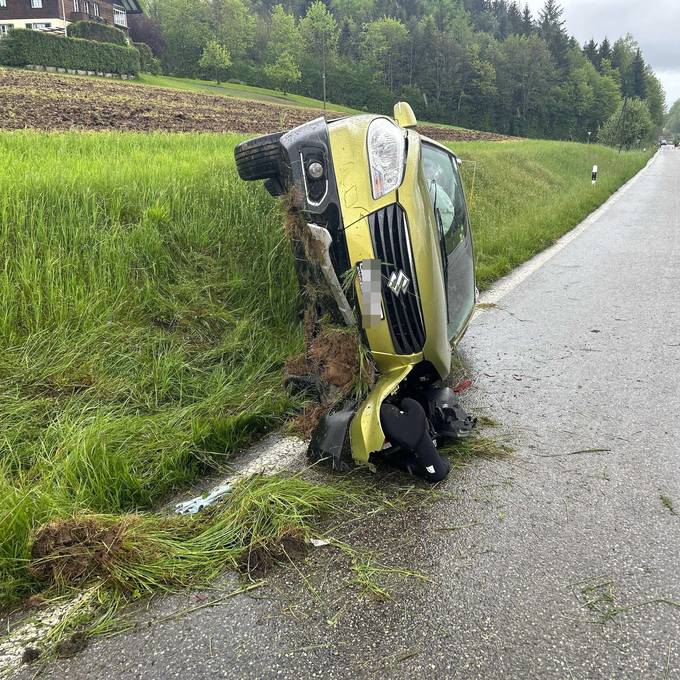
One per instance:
(95, 564)
(524, 195)
(147, 304)
(240, 91)
(667, 503)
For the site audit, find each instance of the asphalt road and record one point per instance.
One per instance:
(552, 564)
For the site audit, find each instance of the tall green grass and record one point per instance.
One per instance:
(524, 195)
(148, 301)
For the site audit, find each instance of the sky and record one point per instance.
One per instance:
(655, 24)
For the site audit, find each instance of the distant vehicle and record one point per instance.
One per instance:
(663, 142)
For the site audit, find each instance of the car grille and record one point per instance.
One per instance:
(391, 244)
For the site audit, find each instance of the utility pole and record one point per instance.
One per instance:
(323, 61)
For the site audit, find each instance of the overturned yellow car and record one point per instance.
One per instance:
(387, 210)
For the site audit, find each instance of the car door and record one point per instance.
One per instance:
(448, 203)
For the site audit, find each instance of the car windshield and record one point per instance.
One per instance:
(446, 195)
(448, 203)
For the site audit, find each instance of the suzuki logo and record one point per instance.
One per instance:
(398, 283)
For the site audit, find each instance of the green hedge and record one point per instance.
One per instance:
(21, 47)
(90, 30)
(149, 63)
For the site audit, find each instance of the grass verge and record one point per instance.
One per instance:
(240, 91)
(147, 305)
(524, 195)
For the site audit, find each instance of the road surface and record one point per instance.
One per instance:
(562, 562)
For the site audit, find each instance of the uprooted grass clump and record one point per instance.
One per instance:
(335, 366)
(262, 519)
(103, 561)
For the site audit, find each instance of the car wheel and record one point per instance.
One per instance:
(259, 158)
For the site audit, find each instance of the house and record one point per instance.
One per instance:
(56, 15)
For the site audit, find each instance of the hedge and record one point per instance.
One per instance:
(21, 47)
(149, 63)
(90, 30)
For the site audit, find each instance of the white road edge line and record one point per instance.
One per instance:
(508, 283)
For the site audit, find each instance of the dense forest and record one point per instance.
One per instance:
(485, 64)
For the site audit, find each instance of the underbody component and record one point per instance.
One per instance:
(442, 407)
(407, 429)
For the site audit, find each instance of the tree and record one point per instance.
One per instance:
(384, 44)
(525, 76)
(284, 36)
(283, 50)
(186, 27)
(630, 125)
(234, 26)
(639, 76)
(623, 54)
(358, 11)
(319, 34)
(319, 30)
(551, 29)
(591, 53)
(527, 21)
(605, 51)
(515, 18)
(673, 118)
(284, 71)
(215, 60)
(144, 29)
(656, 98)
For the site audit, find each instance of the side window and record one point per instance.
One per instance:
(446, 195)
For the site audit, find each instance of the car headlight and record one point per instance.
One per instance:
(386, 154)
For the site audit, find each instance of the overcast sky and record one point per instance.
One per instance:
(655, 24)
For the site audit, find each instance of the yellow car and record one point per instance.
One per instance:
(387, 203)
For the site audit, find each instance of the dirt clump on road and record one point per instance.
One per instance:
(47, 101)
(260, 559)
(70, 551)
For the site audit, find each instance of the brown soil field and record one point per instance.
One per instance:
(47, 101)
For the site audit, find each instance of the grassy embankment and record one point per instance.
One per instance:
(524, 195)
(147, 303)
(240, 91)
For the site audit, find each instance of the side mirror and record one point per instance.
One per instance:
(403, 114)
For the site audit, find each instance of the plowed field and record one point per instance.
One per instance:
(48, 101)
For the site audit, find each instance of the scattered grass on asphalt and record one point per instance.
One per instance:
(667, 503)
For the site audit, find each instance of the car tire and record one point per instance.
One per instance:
(259, 158)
